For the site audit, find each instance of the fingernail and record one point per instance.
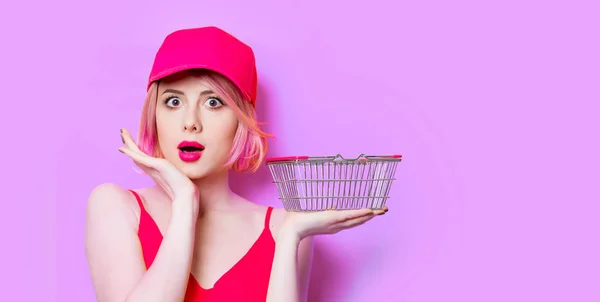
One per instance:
(120, 150)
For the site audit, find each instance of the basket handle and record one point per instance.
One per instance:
(362, 157)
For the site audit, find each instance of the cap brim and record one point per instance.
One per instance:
(165, 73)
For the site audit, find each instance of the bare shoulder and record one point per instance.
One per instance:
(305, 250)
(277, 216)
(111, 242)
(109, 200)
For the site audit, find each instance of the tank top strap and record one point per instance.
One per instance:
(139, 200)
(148, 233)
(268, 217)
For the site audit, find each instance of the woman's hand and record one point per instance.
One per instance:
(168, 177)
(303, 224)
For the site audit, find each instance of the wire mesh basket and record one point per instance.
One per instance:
(332, 182)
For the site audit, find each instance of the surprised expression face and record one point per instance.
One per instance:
(195, 128)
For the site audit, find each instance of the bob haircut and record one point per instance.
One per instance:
(249, 144)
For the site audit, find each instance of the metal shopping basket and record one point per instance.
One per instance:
(332, 182)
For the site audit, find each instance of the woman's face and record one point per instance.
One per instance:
(195, 128)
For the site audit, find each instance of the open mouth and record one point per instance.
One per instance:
(190, 146)
(190, 149)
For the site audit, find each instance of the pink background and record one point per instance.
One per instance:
(494, 105)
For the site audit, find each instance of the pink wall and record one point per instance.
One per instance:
(493, 105)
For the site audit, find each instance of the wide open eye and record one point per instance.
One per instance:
(173, 102)
(213, 102)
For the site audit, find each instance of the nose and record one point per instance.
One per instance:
(192, 122)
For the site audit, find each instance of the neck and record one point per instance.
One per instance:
(215, 193)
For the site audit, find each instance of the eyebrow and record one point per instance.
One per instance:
(206, 92)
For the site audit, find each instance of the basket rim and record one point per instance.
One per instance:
(339, 157)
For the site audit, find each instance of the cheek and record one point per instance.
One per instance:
(224, 131)
(231, 128)
(164, 128)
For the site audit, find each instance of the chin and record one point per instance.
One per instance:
(201, 168)
(193, 170)
(198, 170)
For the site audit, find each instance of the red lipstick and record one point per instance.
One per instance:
(190, 151)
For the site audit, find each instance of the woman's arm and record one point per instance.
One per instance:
(115, 258)
(293, 249)
(291, 268)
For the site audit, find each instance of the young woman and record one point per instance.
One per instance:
(190, 238)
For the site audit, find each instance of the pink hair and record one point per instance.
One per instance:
(249, 144)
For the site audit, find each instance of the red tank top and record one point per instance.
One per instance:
(247, 280)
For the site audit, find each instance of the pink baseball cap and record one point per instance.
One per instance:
(208, 48)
